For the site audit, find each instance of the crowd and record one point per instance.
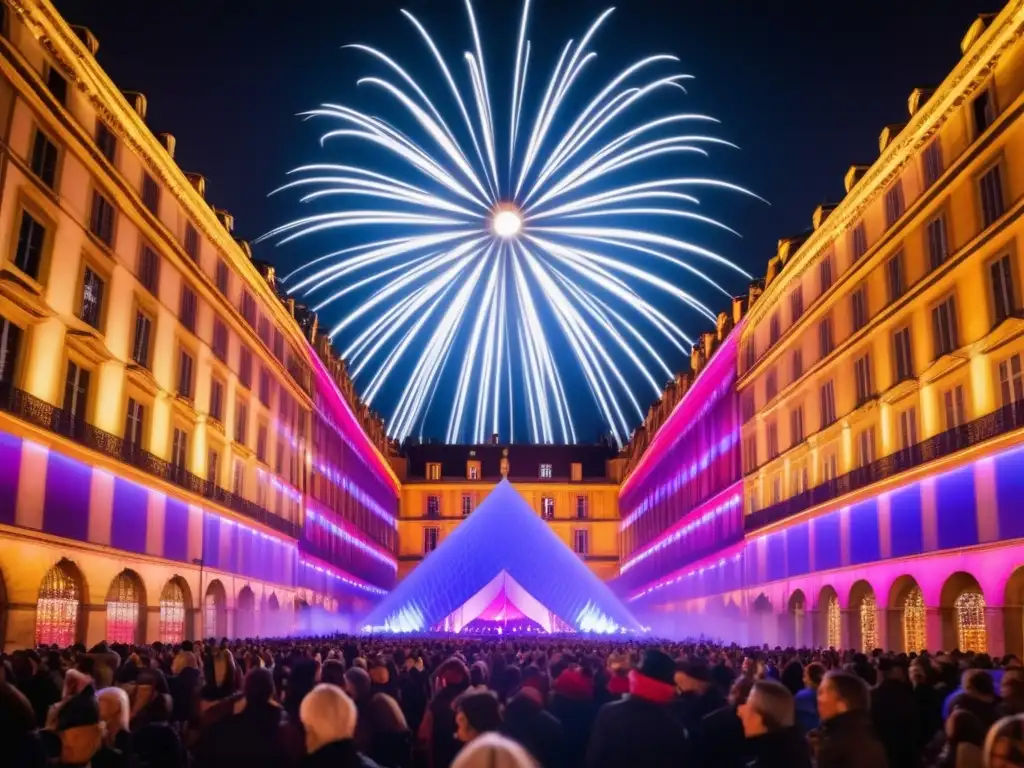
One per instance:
(349, 702)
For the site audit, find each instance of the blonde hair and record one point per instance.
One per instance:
(492, 750)
(328, 714)
(123, 706)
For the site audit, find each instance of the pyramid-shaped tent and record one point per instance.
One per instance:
(502, 534)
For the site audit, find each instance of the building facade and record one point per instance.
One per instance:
(574, 488)
(881, 395)
(183, 454)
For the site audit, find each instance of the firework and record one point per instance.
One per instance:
(513, 253)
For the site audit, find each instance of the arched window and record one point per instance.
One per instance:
(970, 622)
(868, 623)
(57, 608)
(913, 621)
(214, 609)
(835, 625)
(123, 600)
(172, 613)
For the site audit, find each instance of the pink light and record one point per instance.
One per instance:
(717, 560)
(361, 496)
(339, 575)
(353, 535)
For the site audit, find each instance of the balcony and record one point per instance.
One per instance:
(987, 427)
(41, 414)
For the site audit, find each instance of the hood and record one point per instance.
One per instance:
(573, 684)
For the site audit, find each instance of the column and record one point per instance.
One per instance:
(935, 630)
(152, 625)
(95, 623)
(1013, 627)
(850, 628)
(21, 626)
(882, 628)
(892, 620)
(995, 630)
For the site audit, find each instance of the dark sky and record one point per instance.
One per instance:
(803, 87)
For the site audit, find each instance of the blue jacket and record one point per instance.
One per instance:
(807, 709)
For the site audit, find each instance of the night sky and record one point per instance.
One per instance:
(804, 93)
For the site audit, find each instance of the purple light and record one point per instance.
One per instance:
(353, 489)
(346, 578)
(359, 543)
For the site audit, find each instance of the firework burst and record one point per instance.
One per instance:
(512, 255)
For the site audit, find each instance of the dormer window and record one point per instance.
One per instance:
(545, 471)
(434, 471)
(984, 110)
(472, 470)
(576, 471)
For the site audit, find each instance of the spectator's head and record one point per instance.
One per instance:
(258, 686)
(358, 684)
(476, 712)
(327, 714)
(768, 708)
(80, 728)
(494, 751)
(692, 675)
(16, 715)
(740, 690)
(478, 674)
(979, 684)
(453, 672)
(842, 692)
(114, 709)
(74, 683)
(333, 672)
(813, 673)
(964, 726)
(1004, 744)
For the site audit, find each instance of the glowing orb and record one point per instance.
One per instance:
(507, 223)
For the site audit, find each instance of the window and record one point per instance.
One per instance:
(10, 344)
(133, 423)
(101, 220)
(796, 425)
(828, 404)
(829, 466)
(216, 400)
(76, 393)
(825, 273)
(261, 443)
(747, 408)
(433, 506)
(547, 507)
(907, 428)
(903, 354)
(894, 276)
(771, 385)
(57, 84)
(264, 329)
(581, 541)
(576, 471)
(862, 374)
(858, 241)
(944, 327)
(581, 508)
(249, 309)
(185, 366)
(932, 162)
(473, 471)
(187, 308)
(796, 303)
(245, 367)
(545, 471)
(92, 298)
(191, 241)
(798, 480)
(44, 159)
(179, 448)
(860, 308)
(105, 140)
(825, 336)
(749, 354)
(220, 340)
(433, 471)
(775, 490)
(467, 504)
(149, 269)
(150, 193)
(991, 195)
(430, 537)
(265, 384)
(140, 347)
(984, 110)
(773, 440)
(223, 277)
(752, 503)
(1011, 382)
(894, 204)
(774, 329)
(238, 479)
(212, 465)
(953, 405)
(866, 447)
(1001, 276)
(241, 422)
(750, 453)
(798, 363)
(938, 243)
(29, 254)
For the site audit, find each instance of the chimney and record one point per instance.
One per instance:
(494, 438)
(137, 101)
(226, 219)
(198, 182)
(88, 38)
(168, 142)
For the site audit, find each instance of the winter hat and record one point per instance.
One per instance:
(657, 666)
(81, 709)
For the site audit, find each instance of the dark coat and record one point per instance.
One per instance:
(786, 748)
(573, 706)
(848, 741)
(338, 754)
(719, 742)
(638, 732)
(895, 713)
(42, 692)
(692, 708)
(255, 737)
(537, 730)
(157, 745)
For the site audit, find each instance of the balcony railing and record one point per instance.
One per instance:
(41, 414)
(946, 443)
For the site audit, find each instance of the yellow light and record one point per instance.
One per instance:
(507, 223)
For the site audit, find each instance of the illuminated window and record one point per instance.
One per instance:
(150, 193)
(796, 303)
(1001, 282)
(123, 609)
(582, 508)
(866, 447)
(57, 608)
(581, 541)
(773, 440)
(473, 471)
(825, 273)
(932, 162)
(44, 159)
(828, 404)
(212, 614)
(938, 243)
(547, 507)
(172, 613)
(954, 407)
(467, 504)
(894, 203)
(796, 425)
(76, 392)
(859, 241)
(908, 427)
(545, 471)
(944, 327)
(29, 252)
(179, 448)
(834, 624)
(895, 282)
(10, 343)
(433, 471)
(992, 204)
(859, 301)
(970, 622)
(191, 241)
(903, 353)
(575, 471)
(826, 340)
(868, 623)
(430, 537)
(862, 375)
(1011, 380)
(101, 219)
(914, 621)
(134, 421)
(433, 506)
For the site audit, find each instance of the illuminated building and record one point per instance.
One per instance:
(574, 488)
(880, 392)
(181, 453)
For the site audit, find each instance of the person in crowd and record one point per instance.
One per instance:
(793, 676)
(1004, 744)
(381, 730)
(527, 722)
(846, 738)
(978, 696)
(1011, 692)
(720, 741)
(964, 738)
(493, 750)
(80, 732)
(773, 739)
(698, 698)
(19, 741)
(74, 683)
(37, 683)
(329, 720)
(114, 712)
(573, 704)
(643, 728)
(806, 699)
(476, 712)
(437, 730)
(895, 715)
